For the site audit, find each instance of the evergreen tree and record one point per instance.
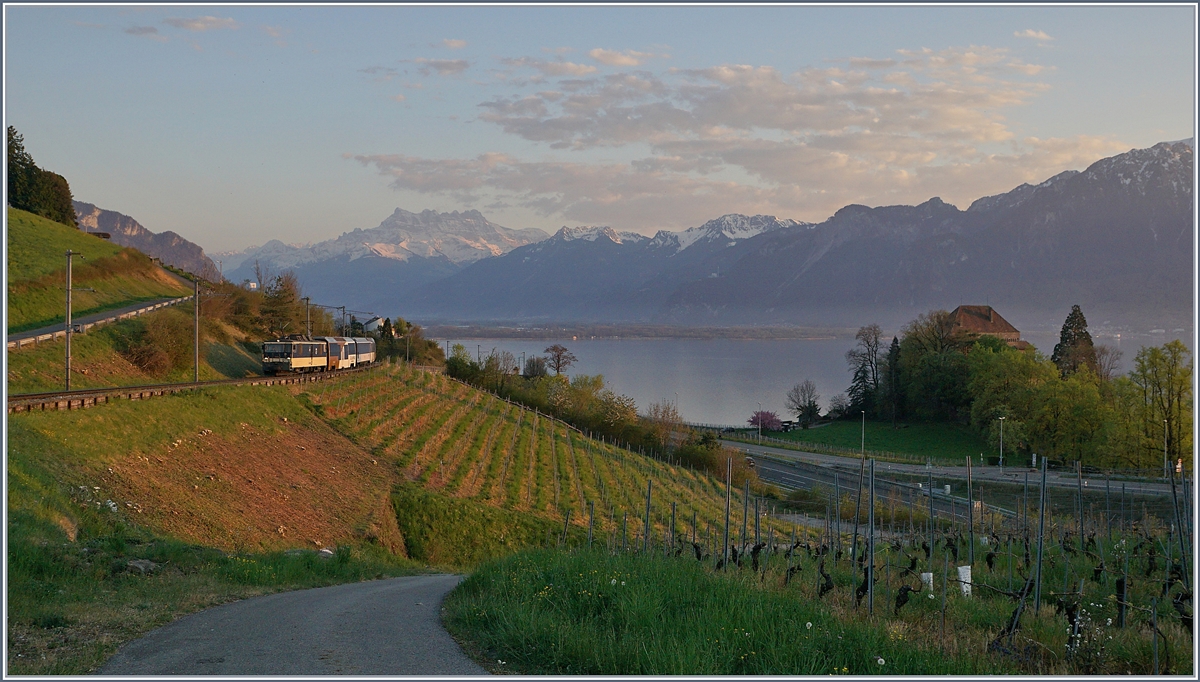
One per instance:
(35, 190)
(22, 173)
(1074, 348)
(892, 387)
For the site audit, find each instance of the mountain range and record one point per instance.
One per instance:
(1116, 238)
(379, 268)
(168, 246)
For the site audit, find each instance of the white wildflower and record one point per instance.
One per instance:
(614, 581)
(879, 661)
(808, 625)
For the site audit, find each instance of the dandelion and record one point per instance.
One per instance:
(808, 625)
(614, 581)
(931, 595)
(879, 661)
(622, 582)
(1110, 621)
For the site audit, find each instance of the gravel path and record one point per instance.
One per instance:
(379, 627)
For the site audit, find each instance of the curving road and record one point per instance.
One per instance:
(379, 627)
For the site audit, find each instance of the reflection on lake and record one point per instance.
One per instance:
(721, 381)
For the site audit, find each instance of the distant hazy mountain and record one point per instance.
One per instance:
(168, 246)
(378, 269)
(1116, 238)
(592, 273)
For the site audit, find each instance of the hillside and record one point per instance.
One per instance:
(228, 492)
(104, 356)
(37, 271)
(168, 246)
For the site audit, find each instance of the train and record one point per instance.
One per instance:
(296, 354)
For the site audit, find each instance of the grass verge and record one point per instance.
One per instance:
(591, 612)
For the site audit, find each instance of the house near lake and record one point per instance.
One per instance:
(984, 320)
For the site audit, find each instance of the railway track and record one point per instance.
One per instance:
(85, 398)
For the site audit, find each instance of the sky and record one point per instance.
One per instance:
(234, 125)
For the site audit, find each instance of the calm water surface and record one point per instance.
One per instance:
(722, 381)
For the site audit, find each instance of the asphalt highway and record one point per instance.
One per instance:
(379, 627)
(979, 474)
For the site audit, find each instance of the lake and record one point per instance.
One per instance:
(722, 381)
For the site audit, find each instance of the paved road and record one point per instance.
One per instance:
(1012, 475)
(380, 627)
(88, 319)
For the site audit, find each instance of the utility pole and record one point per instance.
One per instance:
(1001, 443)
(70, 253)
(864, 434)
(196, 329)
(307, 316)
(1166, 465)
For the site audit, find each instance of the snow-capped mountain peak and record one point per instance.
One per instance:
(592, 233)
(732, 228)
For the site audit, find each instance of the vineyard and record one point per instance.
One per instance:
(461, 442)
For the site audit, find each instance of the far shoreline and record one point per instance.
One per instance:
(576, 332)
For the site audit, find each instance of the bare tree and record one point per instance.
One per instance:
(262, 273)
(665, 422)
(802, 401)
(864, 362)
(559, 358)
(1108, 359)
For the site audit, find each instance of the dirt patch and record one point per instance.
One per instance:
(304, 487)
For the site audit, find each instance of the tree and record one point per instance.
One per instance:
(36, 190)
(1074, 348)
(535, 366)
(22, 172)
(663, 423)
(769, 421)
(1108, 360)
(1163, 376)
(282, 312)
(838, 407)
(802, 401)
(52, 198)
(559, 358)
(864, 363)
(892, 389)
(933, 368)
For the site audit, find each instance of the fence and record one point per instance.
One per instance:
(83, 328)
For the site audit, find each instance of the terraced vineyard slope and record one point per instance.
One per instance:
(466, 444)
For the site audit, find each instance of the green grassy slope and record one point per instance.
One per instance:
(96, 360)
(37, 267)
(197, 483)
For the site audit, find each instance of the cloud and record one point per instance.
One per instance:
(613, 58)
(557, 67)
(1030, 33)
(278, 33)
(199, 24)
(557, 50)
(442, 67)
(146, 32)
(454, 44)
(750, 138)
(398, 98)
(381, 73)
